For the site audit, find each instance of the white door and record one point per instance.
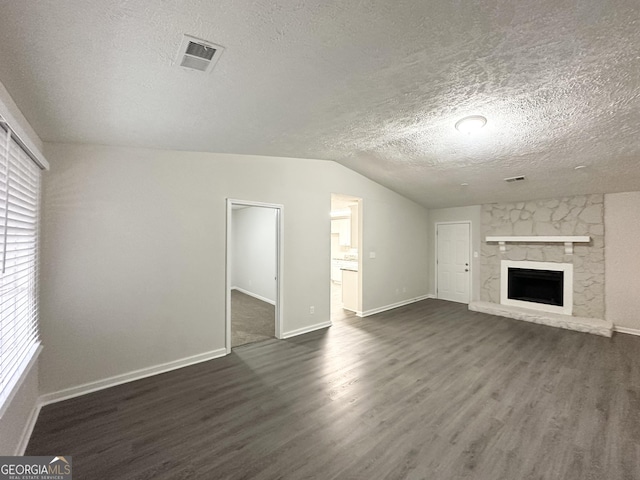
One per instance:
(453, 270)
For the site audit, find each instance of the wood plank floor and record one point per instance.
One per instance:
(427, 391)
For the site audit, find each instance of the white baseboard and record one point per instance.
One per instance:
(254, 295)
(28, 430)
(627, 330)
(300, 331)
(373, 311)
(90, 387)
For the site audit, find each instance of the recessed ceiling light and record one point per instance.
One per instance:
(471, 124)
(464, 184)
(579, 167)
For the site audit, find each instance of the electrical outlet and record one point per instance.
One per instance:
(312, 310)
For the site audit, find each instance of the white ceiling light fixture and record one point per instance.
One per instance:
(197, 54)
(471, 124)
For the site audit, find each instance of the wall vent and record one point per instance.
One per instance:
(196, 54)
(519, 178)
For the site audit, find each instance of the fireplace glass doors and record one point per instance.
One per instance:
(538, 286)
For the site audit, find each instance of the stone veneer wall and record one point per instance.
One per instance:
(580, 215)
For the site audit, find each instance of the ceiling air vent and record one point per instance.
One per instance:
(519, 178)
(197, 54)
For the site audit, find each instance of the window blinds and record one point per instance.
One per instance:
(19, 222)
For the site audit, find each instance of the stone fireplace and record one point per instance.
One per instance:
(579, 215)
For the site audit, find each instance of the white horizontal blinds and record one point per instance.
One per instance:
(19, 223)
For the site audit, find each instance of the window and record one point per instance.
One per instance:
(19, 222)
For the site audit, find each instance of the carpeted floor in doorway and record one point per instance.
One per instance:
(252, 320)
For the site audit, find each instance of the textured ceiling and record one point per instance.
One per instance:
(374, 85)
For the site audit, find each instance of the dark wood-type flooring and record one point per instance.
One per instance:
(252, 320)
(427, 391)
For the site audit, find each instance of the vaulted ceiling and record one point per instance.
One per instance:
(374, 85)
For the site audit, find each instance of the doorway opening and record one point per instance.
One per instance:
(453, 266)
(253, 272)
(346, 258)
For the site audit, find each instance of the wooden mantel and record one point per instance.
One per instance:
(567, 240)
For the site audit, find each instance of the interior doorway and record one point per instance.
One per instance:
(453, 266)
(253, 272)
(346, 260)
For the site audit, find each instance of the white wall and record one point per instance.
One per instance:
(253, 267)
(18, 415)
(133, 255)
(472, 214)
(622, 259)
(19, 418)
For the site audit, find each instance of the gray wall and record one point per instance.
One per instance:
(133, 254)
(579, 215)
(253, 267)
(622, 249)
(456, 214)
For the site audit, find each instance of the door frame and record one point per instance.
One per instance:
(470, 223)
(360, 201)
(279, 264)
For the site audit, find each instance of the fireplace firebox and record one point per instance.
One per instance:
(539, 286)
(545, 286)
